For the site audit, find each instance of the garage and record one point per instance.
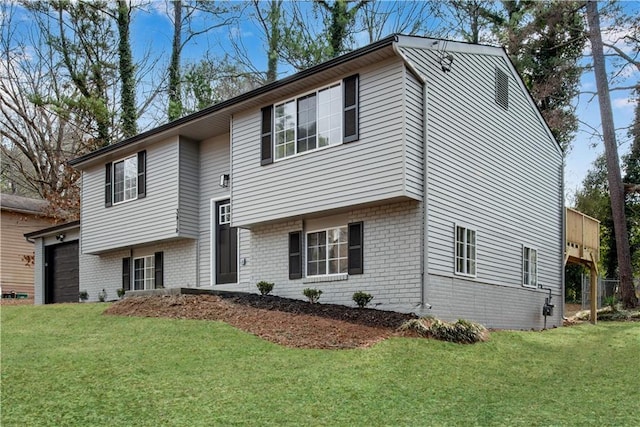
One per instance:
(57, 261)
(61, 273)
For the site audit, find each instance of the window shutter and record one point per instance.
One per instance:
(126, 274)
(159, 278)
(266, 136)
(351, 110)
(295, 255)
(356, 264)
(108, 194)
(142, 174)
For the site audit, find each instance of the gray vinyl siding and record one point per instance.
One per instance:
(491, 169)
(414, 136)
(214, 161)
(189, 176)
(133, 222)
(368, 170)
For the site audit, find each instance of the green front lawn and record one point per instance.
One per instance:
(69, 365)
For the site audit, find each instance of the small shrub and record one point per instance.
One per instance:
(264, 287)
(610, 301)
(313, 295)
(462, 331)
(415, 325)
(84, 295)
(121, 292)
(102, 295)
(362, 298)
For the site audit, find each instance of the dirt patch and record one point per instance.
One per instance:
(571, 309)
(16, 301)
(284, 321)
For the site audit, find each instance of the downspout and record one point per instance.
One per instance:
(563, 239)
(425, 225)
(424, 262)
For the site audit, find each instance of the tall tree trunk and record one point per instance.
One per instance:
(274, 39)
(175, 99)
(616, 189)
(128, 96)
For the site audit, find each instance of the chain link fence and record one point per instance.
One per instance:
(606, 288)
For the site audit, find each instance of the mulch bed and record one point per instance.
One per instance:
(289, 322)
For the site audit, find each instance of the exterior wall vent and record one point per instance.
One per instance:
(502, 89)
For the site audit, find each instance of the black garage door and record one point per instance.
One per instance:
(61, 273)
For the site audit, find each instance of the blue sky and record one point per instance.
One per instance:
(157, 29)
(152, 31)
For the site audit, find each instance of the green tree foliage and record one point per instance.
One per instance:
(80, 34)
(593, 200)
(616, 189)
(272, 27)
(545, 41)
(631, 179)
(127, 70)
(175, 99)
(213, 80)
(305, 44)
(472, 19)
(187, 26)
(339, 20)
(54, 104)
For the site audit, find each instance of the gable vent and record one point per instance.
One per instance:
(502, 89)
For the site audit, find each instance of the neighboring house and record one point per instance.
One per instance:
(20, 215)
(415, 169)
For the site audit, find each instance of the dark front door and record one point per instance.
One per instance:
(226, 245)
(61, 273)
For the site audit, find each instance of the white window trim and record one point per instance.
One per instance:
(213, 212)
(329, 276)
(144, 279)
(338, 83)
(113, 180)
(455, 248)
(522, 266)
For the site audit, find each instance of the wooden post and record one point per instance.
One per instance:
(594, 293)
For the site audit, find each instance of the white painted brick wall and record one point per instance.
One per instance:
(99, 272)
(494, 306)
(392, 239)
(38, 272)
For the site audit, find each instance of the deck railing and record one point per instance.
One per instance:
(583, 236)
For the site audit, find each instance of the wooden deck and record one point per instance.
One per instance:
(583, 238)
(583, 247)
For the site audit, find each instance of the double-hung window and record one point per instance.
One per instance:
(147, 272)
(126, 179)
(529, 267)
(309, 122)
(144, 273)
(324, 117)
(330, 251)
(465, 251)
(327, 252)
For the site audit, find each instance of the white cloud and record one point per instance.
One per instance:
(623, 103)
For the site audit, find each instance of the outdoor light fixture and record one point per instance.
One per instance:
(60, 237)
(446, 60)
(224, 180)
